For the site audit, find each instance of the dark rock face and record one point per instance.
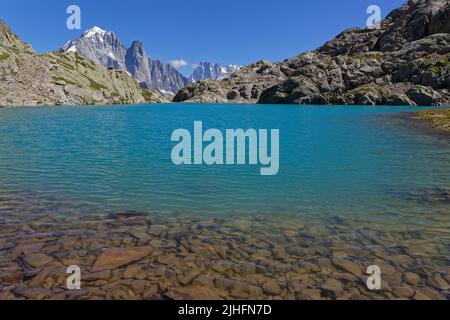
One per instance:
(166, 78)
(152, 74)
(405, 62)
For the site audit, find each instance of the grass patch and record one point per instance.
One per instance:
(147, 95)
(364, 57)
(83, 62)
(65, 80)
(65, 64)
(95, 85)
(360, 90)
(4, 56)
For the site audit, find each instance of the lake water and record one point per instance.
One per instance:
(333, 160)
(357, 186)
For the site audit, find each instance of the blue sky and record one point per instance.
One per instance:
(220, 31)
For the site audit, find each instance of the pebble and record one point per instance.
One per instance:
(36, 259)
(271, 287)
(192, 293)
(348, 266)
(132, 271)
(438, 282)
(412, 278)
(403, 292)
(332, 289)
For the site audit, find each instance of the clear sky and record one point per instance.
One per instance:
(219, 31)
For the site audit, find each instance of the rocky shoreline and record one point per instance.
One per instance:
(405, 62)
(133, 255)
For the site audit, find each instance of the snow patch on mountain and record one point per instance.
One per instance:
(211, 71)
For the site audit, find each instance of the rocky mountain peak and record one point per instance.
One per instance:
(137, 48)
(103, 47)
(94, 32)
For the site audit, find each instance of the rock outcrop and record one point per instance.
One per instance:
(57, 78)
(245, 85)
(405, 62)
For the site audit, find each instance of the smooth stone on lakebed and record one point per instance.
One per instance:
(11, 278)
(101, 275)
(271, 287)
(36, 259)
(127, 214)
(192, 293)
(403, 292)
(332, 289)
(347, 265)
(238, 289)
(32, 293)
(438, 282)
(114, 258)
(411, 278)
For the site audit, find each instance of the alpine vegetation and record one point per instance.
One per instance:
(229, 148)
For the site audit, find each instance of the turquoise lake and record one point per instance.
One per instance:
(365, 161)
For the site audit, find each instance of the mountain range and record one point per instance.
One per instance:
(405, 62)
(105, 48)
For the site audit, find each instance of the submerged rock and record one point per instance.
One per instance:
(127, 214)
(36, 259)
(440, 119)
(114, 258)
(348, 266)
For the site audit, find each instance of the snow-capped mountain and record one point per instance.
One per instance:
(100, 46)
(105, 48)
(210, 71)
